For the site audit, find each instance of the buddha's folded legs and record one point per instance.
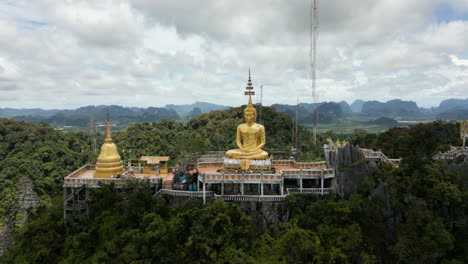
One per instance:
(238, 154)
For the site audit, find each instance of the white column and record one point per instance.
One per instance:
(242, 184)
(300, 181)
(204, 192)
(282, 186)
(321, 184)
(261, 184)
(222, 185)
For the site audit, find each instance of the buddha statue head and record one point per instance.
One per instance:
(250, 113)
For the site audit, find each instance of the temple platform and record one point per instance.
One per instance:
(84, 176)
(76, 185)
(284, 177)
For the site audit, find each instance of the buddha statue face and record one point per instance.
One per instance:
(250, 116)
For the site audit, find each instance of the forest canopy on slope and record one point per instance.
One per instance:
(423, 221)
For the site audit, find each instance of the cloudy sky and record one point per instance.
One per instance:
(67, 54)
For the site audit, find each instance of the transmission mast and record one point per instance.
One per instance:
(296, 125)
(93, 136)
(313, 60)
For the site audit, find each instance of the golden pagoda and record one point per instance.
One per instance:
(109, 162)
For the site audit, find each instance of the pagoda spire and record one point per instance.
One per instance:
(249, 89)
(108, 130)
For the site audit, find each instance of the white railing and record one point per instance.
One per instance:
(309, 190)
(251, 198)
(306, 165)
(283, 162)
(210, 164)
(257, 177)
(371, 154)
(184, 193)
(94, 182)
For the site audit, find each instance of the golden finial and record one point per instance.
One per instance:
(108, 130)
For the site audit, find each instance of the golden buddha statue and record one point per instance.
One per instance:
(109, 162)
(250, 136)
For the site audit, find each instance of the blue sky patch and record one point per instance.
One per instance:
(31, 24)
(445, 13)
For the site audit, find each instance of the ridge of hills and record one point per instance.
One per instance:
(330, 114)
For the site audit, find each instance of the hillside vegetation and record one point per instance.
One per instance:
(420, 217)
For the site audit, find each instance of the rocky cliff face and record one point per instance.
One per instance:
(460, 168)
(27, 200)
(350, 169)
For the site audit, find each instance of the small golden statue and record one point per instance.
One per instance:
(250, 137)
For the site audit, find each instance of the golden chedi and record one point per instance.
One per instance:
(250, 136)
(109, 162)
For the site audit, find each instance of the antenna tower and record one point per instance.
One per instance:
(93, 136)
(261, 106)
(296, 125)
(313, 59)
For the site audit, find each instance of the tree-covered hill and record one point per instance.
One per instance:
(39, 153)
(215, 130)
(413, 214)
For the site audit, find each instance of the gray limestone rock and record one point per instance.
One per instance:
(27, 200)
(350, 169)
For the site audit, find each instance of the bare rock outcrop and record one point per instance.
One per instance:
(350, 169)
(27, 200)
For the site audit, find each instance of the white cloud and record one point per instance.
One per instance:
(150, 53)
(105, 23)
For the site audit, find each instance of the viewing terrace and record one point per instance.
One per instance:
(83, 177)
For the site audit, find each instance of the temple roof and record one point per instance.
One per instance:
(154, 159)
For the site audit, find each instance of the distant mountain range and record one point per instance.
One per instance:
(328, 112)
(190, 109)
